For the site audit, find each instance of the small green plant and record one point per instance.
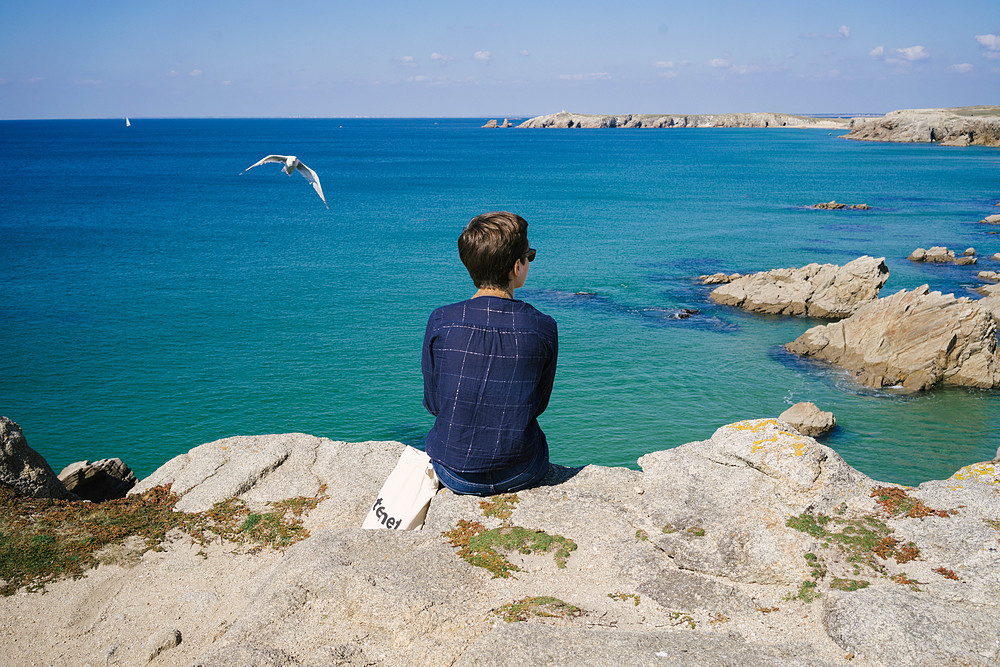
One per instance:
(641, 535)
(817, 569)
(697, 531)
(544, 606)
(903, 579)
(807, 592)
(848, 584)
(681, 618)
(500, 506)
(993, 523)
(669, 528)
(625, 596)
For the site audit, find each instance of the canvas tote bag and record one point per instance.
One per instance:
(402, 503)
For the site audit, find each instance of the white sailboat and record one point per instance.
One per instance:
(127, 123)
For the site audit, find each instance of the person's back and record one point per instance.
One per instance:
(489, 365)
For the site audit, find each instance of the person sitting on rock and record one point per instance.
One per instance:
(488, 365)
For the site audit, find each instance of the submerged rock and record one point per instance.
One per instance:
(814, 290)
(833, 205)
(915, 339)
(809, 419)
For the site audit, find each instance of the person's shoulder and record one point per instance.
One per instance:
(544, 321)
(451, 311)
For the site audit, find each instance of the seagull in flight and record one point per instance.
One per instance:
(292, 163)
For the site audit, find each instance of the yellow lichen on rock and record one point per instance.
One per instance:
(777, 441)
(983, 473)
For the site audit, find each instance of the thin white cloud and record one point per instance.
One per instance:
(718, 62)
(406, 61)
(419, 78)
(590, 76)
(441, 58)
(525, 53)
(664, 64)
(482, 56)
(961, 67)
(743, 70)
(173, 72)
(992, 44)
(668, 74)
(195, 72)
(227, 83)
(877, 52)
(844, 31)
(913, 53)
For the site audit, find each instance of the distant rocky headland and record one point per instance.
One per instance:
(575, 120)
(955, 126)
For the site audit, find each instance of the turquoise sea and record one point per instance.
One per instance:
(152, 299)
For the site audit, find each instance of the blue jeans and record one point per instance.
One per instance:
(514, 478)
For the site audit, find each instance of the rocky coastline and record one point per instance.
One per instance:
(565, 119)
(956, 126)
(757, 546)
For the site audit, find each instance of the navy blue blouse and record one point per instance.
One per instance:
(488, 366)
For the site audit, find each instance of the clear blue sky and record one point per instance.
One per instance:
(141, 58)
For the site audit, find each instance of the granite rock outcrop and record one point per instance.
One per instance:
(914, 339)
(23, 469)
(957, 126)
(814, 290)
(724, 551)
(942, 255)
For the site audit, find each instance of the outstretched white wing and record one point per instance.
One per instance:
(313, 179)
(269, 158)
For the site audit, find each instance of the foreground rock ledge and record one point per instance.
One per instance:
(689, 561)
(915, 339)
(814, 290)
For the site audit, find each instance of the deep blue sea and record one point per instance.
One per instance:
(152, 299)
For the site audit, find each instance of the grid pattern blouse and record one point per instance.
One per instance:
(488, 366)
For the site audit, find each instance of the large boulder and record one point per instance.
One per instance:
(814, 290)
(98, 481)
(23, 469)
(809, 419)
(915, 339)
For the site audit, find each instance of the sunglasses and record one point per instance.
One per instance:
(530, 255)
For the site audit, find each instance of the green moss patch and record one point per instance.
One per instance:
(544, 606)
(500, 506)
(42, 539)
(483, 548)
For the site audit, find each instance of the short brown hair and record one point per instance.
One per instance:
(490, 245)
